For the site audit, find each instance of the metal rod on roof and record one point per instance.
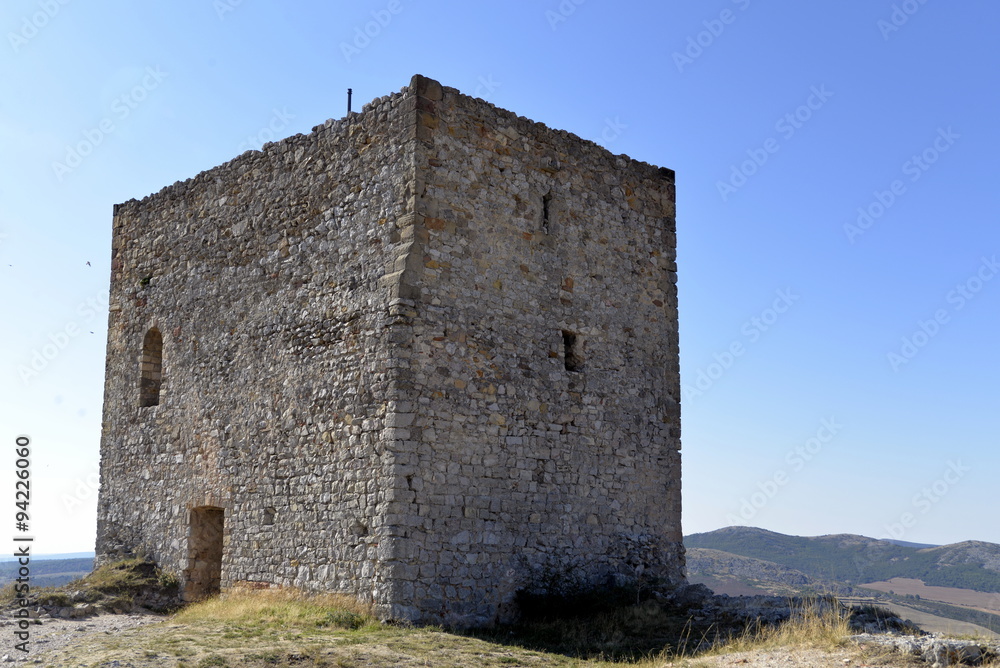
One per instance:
(349, 91)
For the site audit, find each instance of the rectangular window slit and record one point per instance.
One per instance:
(546, 211)
(572, 351)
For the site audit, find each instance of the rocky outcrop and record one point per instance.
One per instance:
(935, 650)
(704, 561)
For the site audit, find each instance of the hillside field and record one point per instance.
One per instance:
(912, 587)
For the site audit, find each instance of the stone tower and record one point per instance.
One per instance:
(426, 355)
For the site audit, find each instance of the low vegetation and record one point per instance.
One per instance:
(283, 628)
(815, 627)
(114, 587)
(281, 608)
(128, 576)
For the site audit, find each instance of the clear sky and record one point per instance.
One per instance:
(837, 216)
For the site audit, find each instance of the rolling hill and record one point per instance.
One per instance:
(937, 585)
(48, 572)
(855, 560)
(731, 574)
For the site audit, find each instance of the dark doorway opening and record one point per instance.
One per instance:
(204, 571)
(572, 351)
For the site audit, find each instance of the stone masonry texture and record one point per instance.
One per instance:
(425, 355)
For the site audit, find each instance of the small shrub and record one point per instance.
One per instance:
(8, 596)
(58, 598)
(169, 580)
(87, 596)
(213, 660)
(344, 619)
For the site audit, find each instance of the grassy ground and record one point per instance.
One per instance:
(285, 628)
(276, 629)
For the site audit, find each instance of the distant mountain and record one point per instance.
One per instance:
(936, 586)
(855, 560)
(905, 543)
(48, 572)
(49, 557)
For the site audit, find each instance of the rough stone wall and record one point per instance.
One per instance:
(428, 357)
(521, 473)
(265, 277)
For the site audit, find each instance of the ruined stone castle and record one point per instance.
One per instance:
(425, 355)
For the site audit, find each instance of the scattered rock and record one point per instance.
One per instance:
(934, 649)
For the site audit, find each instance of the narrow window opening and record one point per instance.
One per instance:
(572, 351)
(151, 368)
(269, 514)
(546, 211)
(205, 550)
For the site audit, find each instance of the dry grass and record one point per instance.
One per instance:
(284, 628)
(121, 576)
(648, 635)
(281, 608)
(814, 626)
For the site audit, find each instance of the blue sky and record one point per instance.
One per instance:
(840, 366)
